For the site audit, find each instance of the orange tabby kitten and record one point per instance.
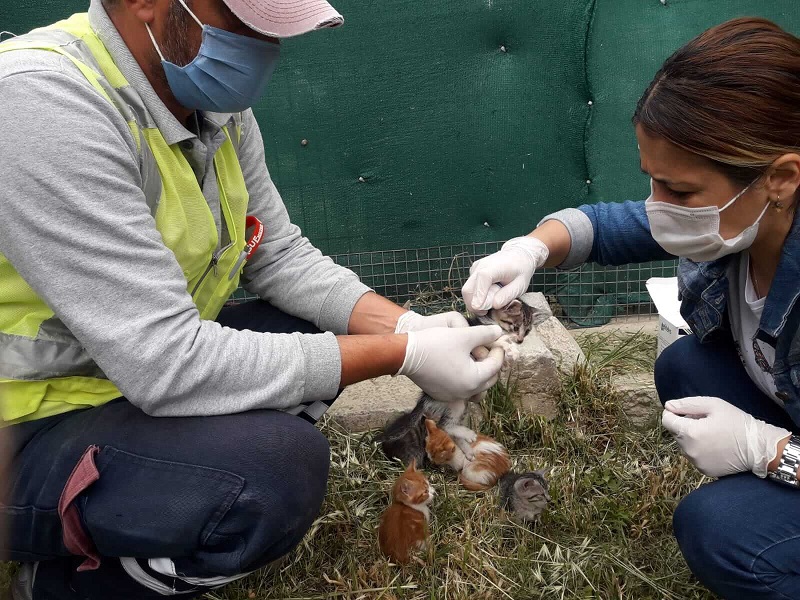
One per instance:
(441, 449)
(404, 525)
(491, 462)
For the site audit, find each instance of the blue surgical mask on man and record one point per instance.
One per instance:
(229, 73)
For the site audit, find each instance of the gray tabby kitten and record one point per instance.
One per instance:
(404, 438)
(516, 319)
(524, 495)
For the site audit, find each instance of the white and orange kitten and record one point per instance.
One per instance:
(404, 525)
(490, 460)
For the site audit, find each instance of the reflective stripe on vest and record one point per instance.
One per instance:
(43, 368)
(26, 358)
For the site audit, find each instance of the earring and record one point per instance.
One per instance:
(778, 204)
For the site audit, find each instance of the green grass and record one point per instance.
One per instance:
(607, 533)
(618, 353)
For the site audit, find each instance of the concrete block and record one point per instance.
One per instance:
(561, 344)
(538, 302)
(370, 404)
(621, 325)
(535, 376)
(640, 404)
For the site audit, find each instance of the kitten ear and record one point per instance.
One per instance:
(514, 308)
(540, 472)
(521, 484)
(430, 425)
(412, 467)
(405, 488)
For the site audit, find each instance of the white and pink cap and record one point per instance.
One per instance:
(285, 18)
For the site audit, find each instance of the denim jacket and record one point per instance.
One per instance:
(619, 233)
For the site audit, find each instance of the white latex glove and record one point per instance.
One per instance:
(512, 267)
(439, 361)
(411, 321)
(721, 439)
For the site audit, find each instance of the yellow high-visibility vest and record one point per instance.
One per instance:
(44, 370)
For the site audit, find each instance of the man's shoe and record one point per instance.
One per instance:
(22, 585)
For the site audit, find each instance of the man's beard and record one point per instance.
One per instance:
(175, 45)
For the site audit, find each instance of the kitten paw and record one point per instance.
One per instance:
(463, 437)
(512, 355)
(510, 349)
(462, 433)
(504, 342)
(466, 449)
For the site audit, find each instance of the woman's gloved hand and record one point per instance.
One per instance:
(721, 439)
(496, 280)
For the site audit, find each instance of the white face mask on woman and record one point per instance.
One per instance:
(693, 233)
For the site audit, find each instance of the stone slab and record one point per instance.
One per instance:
(535, 377)
(640, 405)
(370, 404)
(561, 344)
(645, 324)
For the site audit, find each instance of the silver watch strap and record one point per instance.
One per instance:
(790, 461)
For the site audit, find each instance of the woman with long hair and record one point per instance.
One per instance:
(719, 135)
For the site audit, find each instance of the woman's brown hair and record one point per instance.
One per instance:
(732, 95)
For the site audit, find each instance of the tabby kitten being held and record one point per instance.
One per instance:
(516, 319)
(404, 525)
(404, 438)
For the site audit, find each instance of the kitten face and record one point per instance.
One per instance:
(516, 319)
(532, 489)
(412, 487)
(439, 446)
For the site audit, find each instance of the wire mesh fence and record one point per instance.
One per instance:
(431, 279)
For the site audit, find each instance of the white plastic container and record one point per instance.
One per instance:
(671, 326)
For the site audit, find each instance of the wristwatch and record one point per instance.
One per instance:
(786, 472)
